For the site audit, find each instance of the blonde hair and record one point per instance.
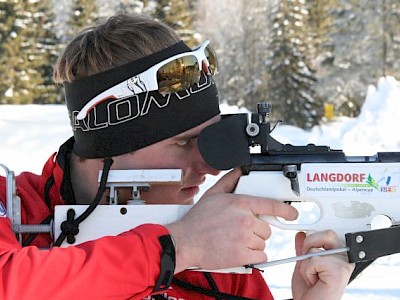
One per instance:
(119, 40)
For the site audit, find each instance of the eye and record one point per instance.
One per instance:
(183, 142)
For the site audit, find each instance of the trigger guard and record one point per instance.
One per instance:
(274, 221)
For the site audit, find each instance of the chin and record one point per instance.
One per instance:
(182, 196)
(187, 202)
(179, 199)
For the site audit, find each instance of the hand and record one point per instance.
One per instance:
(222, 230)
(320, 277)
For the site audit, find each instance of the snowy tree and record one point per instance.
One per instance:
(49, 48)
(391, 37)
(254, 54)
(344, 44)
(349, 43)
(220, 22)
(82, 14)
(291, 84)
(130, 7)
(239, 34)
(28, 52)
(179, 14)
(7, 73)
(357, 59)
(319, 25)
(109, 8)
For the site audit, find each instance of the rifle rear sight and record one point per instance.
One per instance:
(264, 110)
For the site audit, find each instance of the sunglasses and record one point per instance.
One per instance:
(174, 74)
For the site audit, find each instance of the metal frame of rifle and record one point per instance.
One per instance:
(13, 203)
(362, 246)
(227, 144)
(138, 180)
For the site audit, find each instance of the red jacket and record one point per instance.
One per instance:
(126, 266)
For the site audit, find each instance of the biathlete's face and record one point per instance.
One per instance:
(178, 152)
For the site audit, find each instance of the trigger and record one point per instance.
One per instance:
(290, 172)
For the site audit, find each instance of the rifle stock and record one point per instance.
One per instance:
(349, 191)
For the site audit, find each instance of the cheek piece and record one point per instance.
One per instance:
(118, 126)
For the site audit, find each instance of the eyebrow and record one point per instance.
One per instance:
(184, 136)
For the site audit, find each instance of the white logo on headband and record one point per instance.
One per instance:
(127, 109)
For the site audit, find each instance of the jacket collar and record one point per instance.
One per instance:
(55, 181)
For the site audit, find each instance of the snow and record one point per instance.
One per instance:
(30, 134)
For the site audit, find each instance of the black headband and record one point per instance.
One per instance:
(119, 126)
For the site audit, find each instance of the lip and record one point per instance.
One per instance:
(191, 191)
(192, 187)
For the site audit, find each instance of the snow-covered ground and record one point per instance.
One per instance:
(30, 134)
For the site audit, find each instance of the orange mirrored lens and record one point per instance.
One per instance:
(178, 75)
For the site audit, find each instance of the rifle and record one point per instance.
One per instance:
(349, 191)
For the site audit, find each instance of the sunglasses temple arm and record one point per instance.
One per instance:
(118, 91)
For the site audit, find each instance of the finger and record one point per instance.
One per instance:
(333, 269)
(299, 242)
(226, 184)
(265, 206)
(327, 239)
(262, 229)
(256, 256)
(257, 243)
(309, 270)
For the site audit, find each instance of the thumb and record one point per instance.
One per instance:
(299, 242)
(226, 184)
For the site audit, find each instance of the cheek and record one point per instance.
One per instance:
(125, 193)
(165, 161)
(137, 162)
(167, 157)
(161, 194)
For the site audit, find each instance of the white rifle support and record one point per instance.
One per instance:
(113, 219)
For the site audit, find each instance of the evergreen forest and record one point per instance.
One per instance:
(302, 56)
